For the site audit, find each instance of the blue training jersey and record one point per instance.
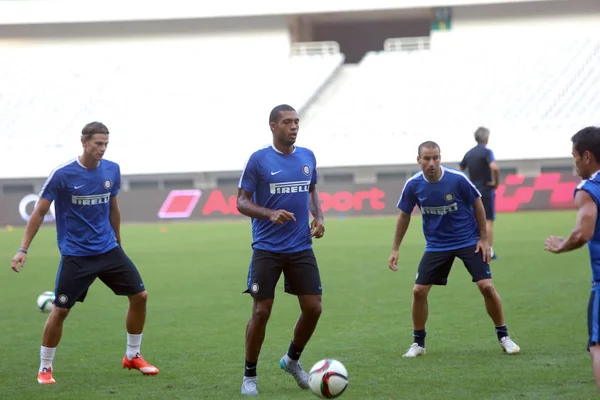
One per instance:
(592, 187)
(447, 208)
(82, 203)
(281, 181)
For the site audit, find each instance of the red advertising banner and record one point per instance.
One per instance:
(548, 191)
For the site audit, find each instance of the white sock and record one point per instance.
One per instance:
(46, 357)
(133, 345)
(287, 360)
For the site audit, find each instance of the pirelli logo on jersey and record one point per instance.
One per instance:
(290, 187)
(91, 200)
(443, 210)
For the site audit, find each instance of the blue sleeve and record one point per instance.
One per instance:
(250, 176)
(469, 192)
(491, 157)
(117, 184)
(315, 177)
(586, 187)
(407, 200)
(50, 189)
(579, 187)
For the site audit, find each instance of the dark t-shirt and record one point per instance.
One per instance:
(477, 163)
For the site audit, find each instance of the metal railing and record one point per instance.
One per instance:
(314, 48)
(407, 44)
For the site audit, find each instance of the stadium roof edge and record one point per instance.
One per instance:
(52, 11)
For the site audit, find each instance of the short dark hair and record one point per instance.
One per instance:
(482, 134)
(92, 128)
(588, 139)
(429, 145)
(276, 112)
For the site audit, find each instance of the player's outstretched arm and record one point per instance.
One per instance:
(33, 225)
(587, 213)
(246, 206)
(317, 226)
(115, 218)
(401, 227)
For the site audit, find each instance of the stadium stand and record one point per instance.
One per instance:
(201, 106)
(372, 113)
(415, 90)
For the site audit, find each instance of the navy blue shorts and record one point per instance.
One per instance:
(299, 269)
(435, 266)
(77, 273)
(594, 319)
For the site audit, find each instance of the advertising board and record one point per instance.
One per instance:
(547, 191)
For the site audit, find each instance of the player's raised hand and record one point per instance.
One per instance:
(281, 216)
(484, 247)
(317, 229)
(18, 261)
(553, 244)
(393, 260)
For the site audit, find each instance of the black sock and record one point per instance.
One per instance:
(419, 337)
(250, 370)
(294, 352)
(501, 331)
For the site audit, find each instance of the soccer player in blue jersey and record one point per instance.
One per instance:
(586, 153)
(84, 191)
(454, 226)
(277, 190)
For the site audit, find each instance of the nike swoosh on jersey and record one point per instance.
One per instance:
(276, 172)
(78, 187)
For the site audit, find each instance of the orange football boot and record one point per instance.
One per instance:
(138, 363)
(45, 377)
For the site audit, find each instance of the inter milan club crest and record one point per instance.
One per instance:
(107, 184)
(306, 170)
(449, 197)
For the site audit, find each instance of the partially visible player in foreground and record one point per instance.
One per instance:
(277, 190)
(454, 226)
(483, 171)
(586, 153)
(84, 191)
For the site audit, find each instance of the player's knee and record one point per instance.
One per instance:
(139, 298)
(420, 292)
(59, 313)
(313, 308)
(262, 310)
(486, 287)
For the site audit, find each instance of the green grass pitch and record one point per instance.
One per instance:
(195, 274)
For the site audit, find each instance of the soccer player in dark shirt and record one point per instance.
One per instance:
(480, 164)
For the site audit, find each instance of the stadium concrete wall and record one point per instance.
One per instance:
(545, 191)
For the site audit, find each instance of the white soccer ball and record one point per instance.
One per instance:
(45, 301)
(328, 378)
